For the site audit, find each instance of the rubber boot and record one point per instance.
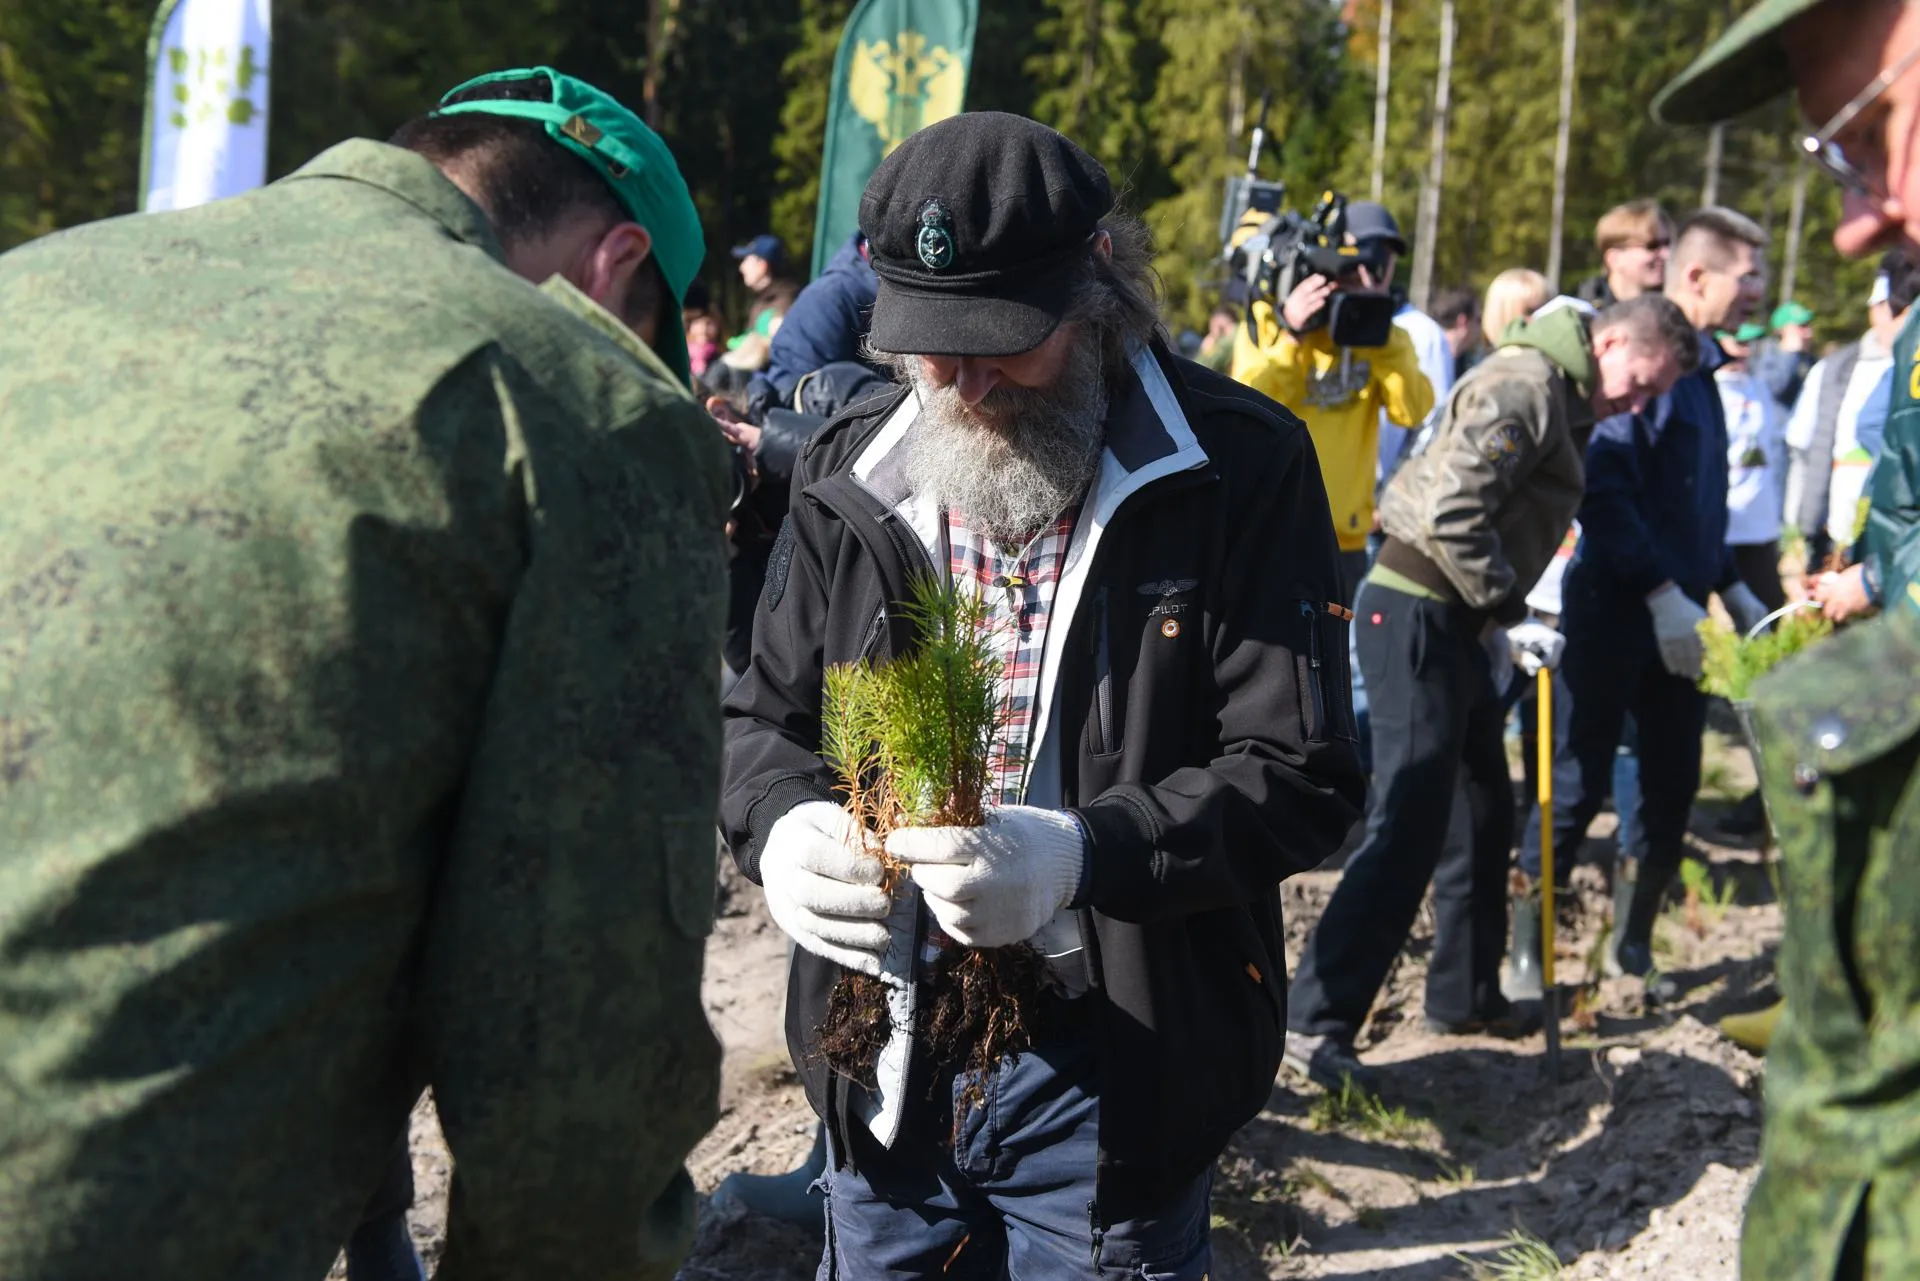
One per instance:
(1523, 980)
(1630, 946)
(789, 1197)
(1753, 1031)
(1624, 875)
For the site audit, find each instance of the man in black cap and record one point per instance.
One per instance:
(1153, 545)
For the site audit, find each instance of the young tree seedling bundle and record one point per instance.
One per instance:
(912, 743)
(1731, 663)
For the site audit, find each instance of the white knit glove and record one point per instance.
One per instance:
(996, 884)
(1746, 608)
(1675, 619)
(1535, 645)
(823, 889)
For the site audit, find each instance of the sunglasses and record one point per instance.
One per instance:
(1859, 175)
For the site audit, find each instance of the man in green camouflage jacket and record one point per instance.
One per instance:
(1839, 726)
(360, 606)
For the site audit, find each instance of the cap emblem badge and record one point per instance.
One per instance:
(935, 243)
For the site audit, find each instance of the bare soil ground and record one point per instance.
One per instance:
(1635, 1162)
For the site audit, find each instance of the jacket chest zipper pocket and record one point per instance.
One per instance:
(1309, 666)
(875, 630)
(1104, 740)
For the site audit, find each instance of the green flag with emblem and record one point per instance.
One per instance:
(902, 65)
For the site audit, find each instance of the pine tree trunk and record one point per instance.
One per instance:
(1569, 19)
(1381, 77)
(1716, 145)
(1790, 269)
(1429, 229)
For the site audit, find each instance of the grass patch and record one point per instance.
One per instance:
(1455, 1176)
(1357, 1110)
(1525, 1257)
(1697, 877)
(1304, 1178)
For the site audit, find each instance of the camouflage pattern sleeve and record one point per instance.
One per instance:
(560, 1013)
(360, 618)
(1839, 1188)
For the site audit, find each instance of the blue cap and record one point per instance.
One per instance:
(766, 246)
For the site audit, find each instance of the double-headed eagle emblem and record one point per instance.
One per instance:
(902, 86)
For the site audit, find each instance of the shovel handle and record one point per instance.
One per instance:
(1544, 682)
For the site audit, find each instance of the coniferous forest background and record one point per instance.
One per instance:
(1164, 92)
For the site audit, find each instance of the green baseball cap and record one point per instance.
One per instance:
(1791, 313)
(1752, 331)
(1742, 69)
(635, 163)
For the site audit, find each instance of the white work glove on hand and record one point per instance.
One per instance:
(997, 884)
(1675, 619)
(823, 888)
(1535, 645)
(1746, 608)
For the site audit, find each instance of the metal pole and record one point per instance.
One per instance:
(1380, 77)
(1569, 19)
(1550, 1006)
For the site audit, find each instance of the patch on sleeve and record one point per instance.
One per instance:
(1502, 448)
(779, 561)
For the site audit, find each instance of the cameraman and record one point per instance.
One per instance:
(1339, 391)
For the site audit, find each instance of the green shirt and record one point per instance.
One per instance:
(1893, 516)
(360, 613)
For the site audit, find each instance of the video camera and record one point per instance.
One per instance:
(1270, 250)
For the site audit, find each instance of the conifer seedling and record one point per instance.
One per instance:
(912, 742)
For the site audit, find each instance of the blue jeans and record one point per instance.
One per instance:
(1008, 1194)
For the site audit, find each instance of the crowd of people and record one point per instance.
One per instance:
(374, 666)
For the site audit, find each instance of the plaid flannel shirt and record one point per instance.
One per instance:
(1018, 586)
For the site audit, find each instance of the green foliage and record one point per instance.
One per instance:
(1164, 92)
(1697, 878)
(924, 723)
(1525, 1257)
(1355, 1109)
(1732, 662)
(1091, 71)
(806, 76)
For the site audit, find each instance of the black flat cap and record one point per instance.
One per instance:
(980, 227)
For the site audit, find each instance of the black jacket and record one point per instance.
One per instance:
(1205, 735)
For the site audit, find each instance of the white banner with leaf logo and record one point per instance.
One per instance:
(206, 102)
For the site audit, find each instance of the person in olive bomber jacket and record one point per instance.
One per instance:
(1471, 522)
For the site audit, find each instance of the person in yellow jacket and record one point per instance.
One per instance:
(1339, 391)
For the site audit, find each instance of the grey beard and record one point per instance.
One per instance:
(1017, 459)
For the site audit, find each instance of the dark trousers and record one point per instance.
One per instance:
(381, 1248)
(1612, 670)
(1758, 565)
(1441, 809)
(1006, 1195)
(1353, 569)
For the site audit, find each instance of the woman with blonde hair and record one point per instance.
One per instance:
(1515, 294)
